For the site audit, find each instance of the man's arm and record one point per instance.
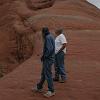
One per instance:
(63, 47)
(48, 48)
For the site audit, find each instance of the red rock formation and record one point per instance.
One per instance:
(20, 20)
(39, 4)
(20, 36)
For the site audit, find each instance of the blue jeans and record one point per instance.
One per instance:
(46, 75)
(59, 66)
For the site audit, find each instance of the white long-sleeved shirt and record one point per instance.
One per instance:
(59, 41)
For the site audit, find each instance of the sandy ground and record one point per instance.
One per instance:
(83, 82)
(82, 69)
(82, 60)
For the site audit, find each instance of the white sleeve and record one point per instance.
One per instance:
(63, 39)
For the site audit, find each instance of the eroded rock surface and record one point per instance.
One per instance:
(21, 23)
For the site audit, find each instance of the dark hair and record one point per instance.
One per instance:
(45, 32)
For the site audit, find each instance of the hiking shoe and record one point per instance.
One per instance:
(49, 94)
(55, 79)
(62, 81)
(35, 89)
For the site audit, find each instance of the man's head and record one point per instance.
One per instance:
(59, 31)
(45, 31)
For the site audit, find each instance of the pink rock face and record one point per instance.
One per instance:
(39, 4)
(21, 23)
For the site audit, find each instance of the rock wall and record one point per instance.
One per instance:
(21, 22)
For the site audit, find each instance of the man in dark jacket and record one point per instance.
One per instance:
(47, 60)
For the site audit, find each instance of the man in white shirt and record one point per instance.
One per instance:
(60, 51)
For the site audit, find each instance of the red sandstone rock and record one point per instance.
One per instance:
(20, 36)
(17, 17)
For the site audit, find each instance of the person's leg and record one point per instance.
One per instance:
(48, 75)
(56, 78)
(42, 80)
(61, 66)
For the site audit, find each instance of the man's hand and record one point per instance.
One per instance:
(63, 47)
(42, 58)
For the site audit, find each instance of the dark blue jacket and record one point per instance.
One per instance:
(49, 47)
